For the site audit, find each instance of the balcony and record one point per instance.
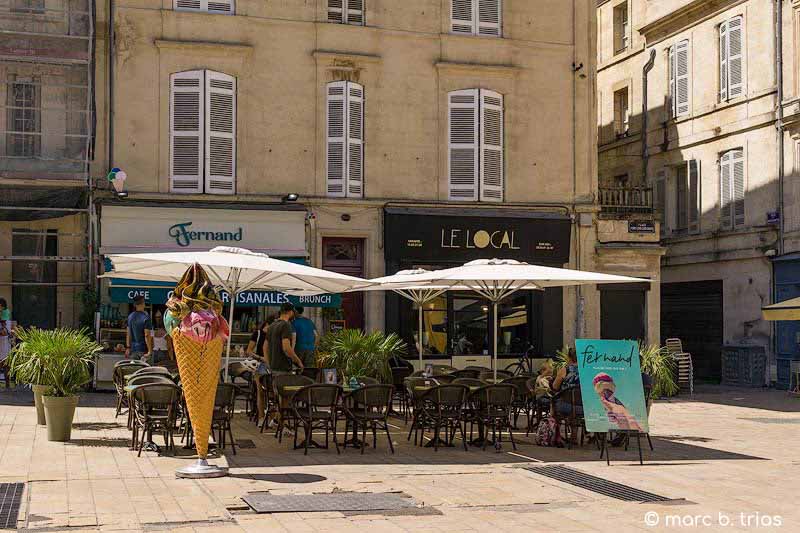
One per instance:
(620, 202)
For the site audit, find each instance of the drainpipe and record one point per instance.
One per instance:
(779, 119)
(645, 72)
(110, 69)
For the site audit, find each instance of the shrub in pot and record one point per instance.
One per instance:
(25, 365)
(357, 354)
(61, 359)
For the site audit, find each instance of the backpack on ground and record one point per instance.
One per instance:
(547, 434)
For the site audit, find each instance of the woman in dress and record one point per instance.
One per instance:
(5, 338)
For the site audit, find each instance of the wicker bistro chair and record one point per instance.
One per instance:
(443, 407)
(573, 420)
(400, 393)
(312, 373)
(241, 377)
(368, 407)
(155, 410)
(286, 414)
(471, 373)
(270, 399)
(224, 404)
(501, 374)
(315, 407)
(135, 362)
(144, 379)
(152, 370)
(493, 406)
(522, 400)
(118, 378)
(416, 387)
(478, 368)
(445, 379)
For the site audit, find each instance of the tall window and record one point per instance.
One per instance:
(346, 12)
(345, 151)
(622, 113)
(476, 145)
(731, 38)
(222, 7)
(27, 6)
(660, 199)
(731, 179)
(477, 17)
(24, 118)
(679, 78)
(621, 28)
(202, 124)
(687, 198)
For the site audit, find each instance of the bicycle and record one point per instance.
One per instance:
(524, 366)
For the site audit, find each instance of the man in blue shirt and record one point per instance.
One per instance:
(306, 343)
(139, 339)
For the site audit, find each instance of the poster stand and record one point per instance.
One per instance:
(605, 443)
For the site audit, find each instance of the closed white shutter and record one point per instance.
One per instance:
(336, 11)
(681, 197)
(671, 74)
(355, 140)
(491, 187)
(694, 195)
(723, 61)
(336, 159)
(463, 141)
(725, 190)
(462, 16)
(225, 7)
(490, 14)
(738, 186)
(681, 93)
(220, 133)
(355, 12)
(735, 57)
(186, 132)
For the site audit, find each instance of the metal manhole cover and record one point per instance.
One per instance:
(596, 484)
(264, 502)
(245, 443)
(10, 501)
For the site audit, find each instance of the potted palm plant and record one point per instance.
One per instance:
(59, 361)
(27, 367)
(358, 354)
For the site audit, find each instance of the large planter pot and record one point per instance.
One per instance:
(38, 392)
(59, 412)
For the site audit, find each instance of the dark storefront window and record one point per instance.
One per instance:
(470, 325)
(346, 256)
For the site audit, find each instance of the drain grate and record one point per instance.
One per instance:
(596, 484)
(264, 502)
(10, 501)
(245, 443)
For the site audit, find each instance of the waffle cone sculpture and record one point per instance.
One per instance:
(198, 332)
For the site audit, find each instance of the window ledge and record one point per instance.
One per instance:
(205, 47)
(486, 69)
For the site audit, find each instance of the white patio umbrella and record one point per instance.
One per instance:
(235, 270)
(497, 279)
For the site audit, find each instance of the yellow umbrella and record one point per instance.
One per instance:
(785, 310)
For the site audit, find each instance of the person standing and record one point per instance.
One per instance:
(5, 338)
(306, 344)
(139, 338)
(279, 342)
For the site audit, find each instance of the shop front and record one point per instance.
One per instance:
(278, 231)
(457, 327)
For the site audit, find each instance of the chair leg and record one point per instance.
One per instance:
(463, 435)
(308, 428)
(335, 441)
(650, 442)
(374, 436)
(388, 435)
(436, 429)
(511, 438)
(363, 437)
(230, 433)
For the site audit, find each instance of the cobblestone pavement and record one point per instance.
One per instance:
(726, 456)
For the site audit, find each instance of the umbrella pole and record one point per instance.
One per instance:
(230, 334)
(494, 326)
(419, 305)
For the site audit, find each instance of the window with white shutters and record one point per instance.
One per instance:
(476, 167)
(732, 189)
(345, 139)
(202, 128)
(622, 112)
(686, 218)
(346, 12)
(731, 58)
(221, 7)
(679, 83)
(477, 17)
(621, 28)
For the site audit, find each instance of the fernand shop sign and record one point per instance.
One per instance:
(185, 235)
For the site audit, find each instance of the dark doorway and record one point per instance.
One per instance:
(623, 312)
(346, 256)
(34, 305)
(692, 312)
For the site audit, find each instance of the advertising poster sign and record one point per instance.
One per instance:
(611, 385)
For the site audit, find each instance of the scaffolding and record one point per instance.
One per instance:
(46, 136)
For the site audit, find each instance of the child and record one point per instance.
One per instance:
(544, 378)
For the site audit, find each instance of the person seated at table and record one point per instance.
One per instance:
(545, 377)
(566, 378)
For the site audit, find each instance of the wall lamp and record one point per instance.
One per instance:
(291, 197)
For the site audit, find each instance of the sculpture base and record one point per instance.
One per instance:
(201, 470)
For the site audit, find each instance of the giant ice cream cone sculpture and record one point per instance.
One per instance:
(194, 321)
